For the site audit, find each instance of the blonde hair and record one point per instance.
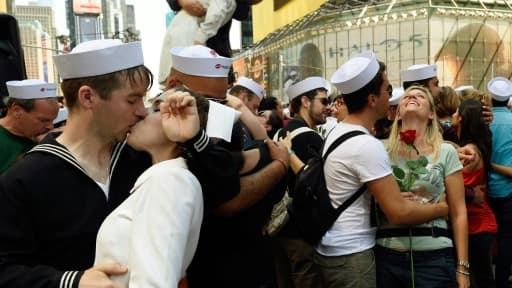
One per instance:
(432, 136)
(478, 95)
(448, 102)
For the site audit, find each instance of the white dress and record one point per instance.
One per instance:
(185, 29)
(155, 231)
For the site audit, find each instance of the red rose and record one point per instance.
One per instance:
(408, 137)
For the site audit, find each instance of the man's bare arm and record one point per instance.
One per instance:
(255, 186)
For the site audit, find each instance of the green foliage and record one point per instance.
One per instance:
(416, 168)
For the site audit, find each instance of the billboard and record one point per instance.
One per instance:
(87, 7)
(88, 28)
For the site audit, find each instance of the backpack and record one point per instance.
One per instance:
(279, 215)
(311, 207)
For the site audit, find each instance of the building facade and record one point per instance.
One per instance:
(470, 41)
(31, 32)
(3, 6)
(270, 15)
(38, 23)
(114, 18)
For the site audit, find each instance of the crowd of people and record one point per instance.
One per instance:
(180, 190)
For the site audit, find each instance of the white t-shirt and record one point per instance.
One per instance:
(357, 161)
(155, 231)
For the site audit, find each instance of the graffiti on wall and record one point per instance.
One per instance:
(387, 45)
(466, 52)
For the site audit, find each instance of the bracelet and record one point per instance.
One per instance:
(464, 264)
(467, 274)
(282, 163)
(291, 152)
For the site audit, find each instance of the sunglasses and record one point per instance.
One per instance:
(325, 101)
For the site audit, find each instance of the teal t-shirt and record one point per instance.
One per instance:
(501, 128)
(11, 148)
(432, 184)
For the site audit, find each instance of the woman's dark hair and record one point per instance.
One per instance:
(268, 103)
(356, 101)
(276, 122)
(473, 130)
(296, 102)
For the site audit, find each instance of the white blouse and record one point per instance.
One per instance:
(155, 231)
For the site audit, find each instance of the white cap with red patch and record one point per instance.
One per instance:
(31, 89)
(200, 61)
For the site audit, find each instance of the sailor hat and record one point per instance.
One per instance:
(62, 115)
(252, 85)
(306, 85)
(396, 95)
(31, 89)
(356, 72)
(200, 61)
(99, 57)
(419, 72)
(500, 88)
(462, 88)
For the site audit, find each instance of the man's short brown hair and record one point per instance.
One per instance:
(103, 84)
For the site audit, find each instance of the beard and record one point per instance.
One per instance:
(318, 118)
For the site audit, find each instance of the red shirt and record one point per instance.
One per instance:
(480, 218)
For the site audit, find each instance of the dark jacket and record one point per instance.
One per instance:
(51, 210)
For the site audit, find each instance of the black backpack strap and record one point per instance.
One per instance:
(361, 190)
(340, 140)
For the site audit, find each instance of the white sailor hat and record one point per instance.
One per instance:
(99, 57)
(200, 60)
(419, 72)
(328, 87)
(252, 85)
(62, 115)
(31, 89)
(396, 95)
(462, 88)
(500, 88)
(306, 85)
(356, 72)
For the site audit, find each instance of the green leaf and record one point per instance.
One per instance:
(398, 172)
(408, 183)
(421, 170)
(412, 164)
(423, 161)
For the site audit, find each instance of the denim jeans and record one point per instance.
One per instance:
(502, 208)
(348, 271)
(432, 269)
